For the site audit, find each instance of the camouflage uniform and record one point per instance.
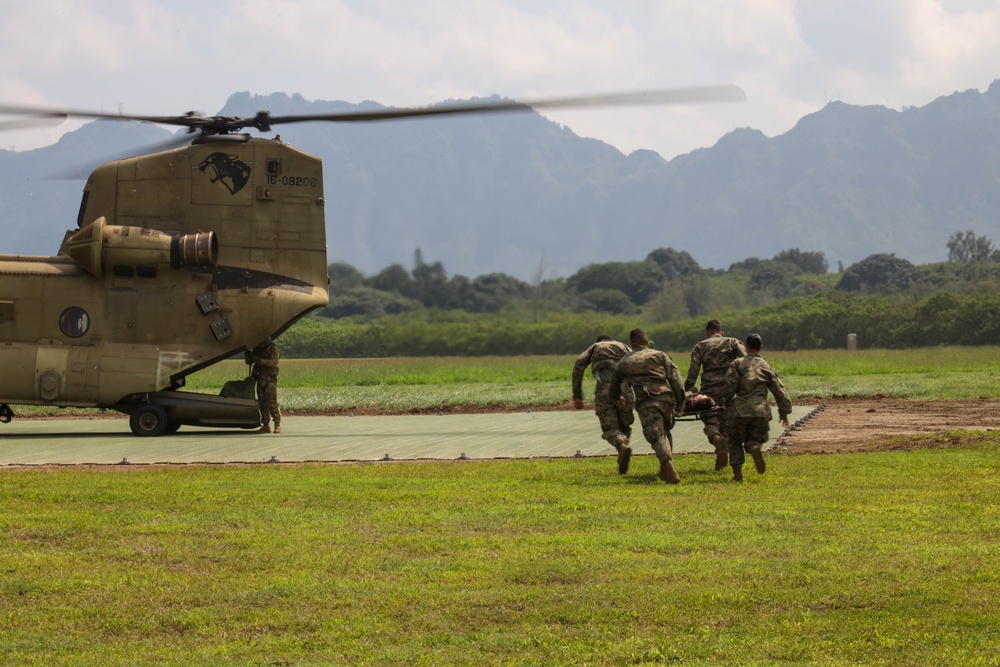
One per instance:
(747, 382)
(616, 422)
(265, 372)
(658, 389)
(712, 357)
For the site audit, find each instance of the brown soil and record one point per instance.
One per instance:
(878, 424)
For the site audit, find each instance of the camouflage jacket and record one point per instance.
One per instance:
(712, 357)
(601, 357)
(265, 362)
(651, 373)
(747, 381)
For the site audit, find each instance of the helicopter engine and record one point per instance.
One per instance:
(99, 247)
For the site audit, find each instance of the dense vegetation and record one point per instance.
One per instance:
(790, 299)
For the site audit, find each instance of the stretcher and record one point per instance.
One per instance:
(699, 415)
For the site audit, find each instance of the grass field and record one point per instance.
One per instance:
(402, 384)
(873, 559)
(945, 373)
(862, 559)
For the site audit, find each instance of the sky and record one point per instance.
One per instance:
(790, 57)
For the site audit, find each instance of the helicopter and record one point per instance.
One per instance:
(187, 256)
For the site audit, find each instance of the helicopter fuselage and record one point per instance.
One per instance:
(180, 259)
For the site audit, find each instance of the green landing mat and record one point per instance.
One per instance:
(303, 439)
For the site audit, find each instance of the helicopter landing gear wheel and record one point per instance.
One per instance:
(148, 420)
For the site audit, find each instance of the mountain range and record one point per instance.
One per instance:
(519, 194)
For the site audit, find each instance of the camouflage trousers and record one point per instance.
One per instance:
(744, 433)
(267, 398)
(656, 414)
(616, 423)
(714, 423)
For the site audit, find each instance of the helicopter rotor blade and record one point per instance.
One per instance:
(191, 120)
(697, 95)
(263, 120)
(45, 120)
(82, 171)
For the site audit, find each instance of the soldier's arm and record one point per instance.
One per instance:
(693, 369)
(731, 383)
(780, 396)
(741, 350)
(578, 368)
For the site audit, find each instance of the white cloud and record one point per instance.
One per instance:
(788, 55)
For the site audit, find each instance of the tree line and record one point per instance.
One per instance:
(818, 321)
(667, 285)
(792, 299)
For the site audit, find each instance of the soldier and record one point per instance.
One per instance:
(264, 369)
(659, 397)
(616, 422)
(747, 382)
(712, 357)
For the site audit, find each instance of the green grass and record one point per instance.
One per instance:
(875, 559)
(404, 384)
(400, 384)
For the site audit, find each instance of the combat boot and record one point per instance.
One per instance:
(624, 456)
(277, 428)
(758, 458)
(668, 473)
(266, 428)
(737, 473)
(721, 443)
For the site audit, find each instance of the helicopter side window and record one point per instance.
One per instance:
(145, 271)
(74, 322)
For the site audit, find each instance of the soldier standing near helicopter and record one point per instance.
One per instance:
(264, 369)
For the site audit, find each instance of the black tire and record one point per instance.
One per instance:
(148, 420)
(172, 427)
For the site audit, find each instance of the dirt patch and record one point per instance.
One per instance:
(877, 424)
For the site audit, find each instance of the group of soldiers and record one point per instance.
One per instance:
(731, 402)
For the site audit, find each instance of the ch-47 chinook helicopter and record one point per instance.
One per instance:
(185, 257)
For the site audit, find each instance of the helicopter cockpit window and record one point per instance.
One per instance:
(74, 322)
(83, 209)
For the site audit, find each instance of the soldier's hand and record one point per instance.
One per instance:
(620, 402)
(578, 404)
(784, 422)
